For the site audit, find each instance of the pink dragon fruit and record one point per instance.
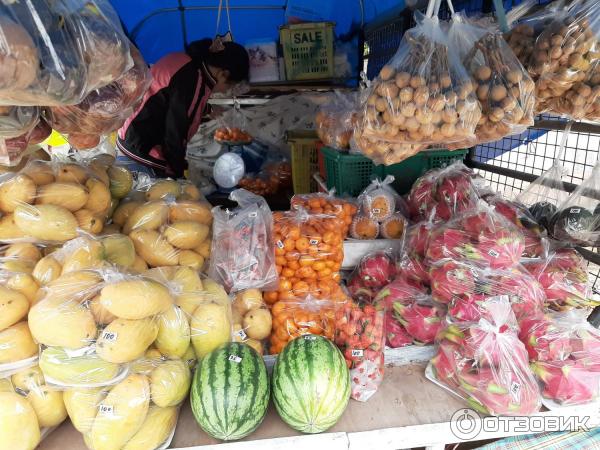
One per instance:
(477, 223)
(359, 292)
(449, 280)
(417, 238)
(422, 319)
(374, 271)
(501, 249)
(421, 197)
(395, 334)
(400, 290)
(526, 295)
(414, 269)
(466, 307)
(567, 382)
(447, 243)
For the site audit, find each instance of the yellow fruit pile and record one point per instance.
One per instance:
(252, 321)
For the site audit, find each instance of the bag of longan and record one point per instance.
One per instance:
(423, 95)
(502, 85)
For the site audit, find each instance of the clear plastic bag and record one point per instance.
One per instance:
(423, 95)
(232, 128)
(577, 219)
(320, 203)
(485, 363)
(565, 353)
(374, 271)
(564, 277)
(466, 287)
(242, 248)
(502, 85)
(480, 236)
(252, 320)
(360, 336)
(17, 120)
(378, 200)
(336, 119)
(381, 151)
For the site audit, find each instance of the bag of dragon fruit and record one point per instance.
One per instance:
(564, 277)
(484, 363)
(565, 353)
(411, 315)
(359, 335)
(412, 264)
(372, 273)
(480, 236)
(466, 287)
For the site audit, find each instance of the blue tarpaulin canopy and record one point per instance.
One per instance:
(157, 26)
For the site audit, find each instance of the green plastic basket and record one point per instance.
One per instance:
(349, 174)
(307, 50)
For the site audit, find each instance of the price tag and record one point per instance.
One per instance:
(309, 337)
(314, 242)
(253, 214)
(106, 410)
(357, 353)
(575, 210)
(493, 253)
(110, 336)
(376, 210)
(515, 391)
(241, 334)
(279, 244)
(235, 359)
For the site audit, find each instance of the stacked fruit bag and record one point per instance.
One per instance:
(564, 350)
(251, 318)
(169, 224)
(374, 271)
(563, 275)
(29, 409)
(381, 212)
(485, 364)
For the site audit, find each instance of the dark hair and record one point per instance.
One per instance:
(232, 58)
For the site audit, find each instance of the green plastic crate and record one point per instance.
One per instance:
(307, 50)
(350, 174)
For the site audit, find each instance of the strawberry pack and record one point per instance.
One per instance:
(484, 363)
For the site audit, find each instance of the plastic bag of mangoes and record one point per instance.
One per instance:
(138, 413)
(29, 409)
(169, 223)
(53, 202)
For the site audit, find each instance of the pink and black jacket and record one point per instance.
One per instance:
(157, 133)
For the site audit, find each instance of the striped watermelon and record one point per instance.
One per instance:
(230, 391)
(311, 384)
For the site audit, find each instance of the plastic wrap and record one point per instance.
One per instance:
(423, 95)
(465, 288)
(485, 363)
(502, 85)
(577, 219)
(14, 149)
(336, 119)
(308, 254)
(297, 317)
(252, 321)
(232, 128)
(29, 409)
(374, 271)
(17, 120)
(320, 203)
(565, 353)
(480, 236)
(378, 200)
(441, 194)
(273, 177)
(242, 248)
(364, 227)
(360, 336)
(410, 312)
(564, 277)
(381, 151)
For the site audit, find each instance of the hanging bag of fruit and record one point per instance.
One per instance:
(232, 127)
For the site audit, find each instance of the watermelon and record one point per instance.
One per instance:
(230, 391)
(311, 384)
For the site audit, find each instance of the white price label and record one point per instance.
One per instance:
(279, 244)
(376, 210)
(235, 358)
(309, 337)
(110, 336)
(106, 410)
(515, 391)
(314, 242)
(575, 210)
(493, 253)
(241, 334)
(253, 214)
(358, 353)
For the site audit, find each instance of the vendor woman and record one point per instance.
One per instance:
(157, 133)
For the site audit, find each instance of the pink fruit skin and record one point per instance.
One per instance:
(395, 334)
(422, 322)
(400, 290)
(376, 271)
(501, 249)
(568, 382)
(447, 243)
(418, 239)
(466, 308)
(449, 280)
(421, 198)
(413, 268)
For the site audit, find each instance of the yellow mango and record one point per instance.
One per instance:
(40, 172)
(121, 414)
(155, 430)
(186, 235)
(68, 195)
(111, 228)
(210, 327)
(88, 221)
(99, 196)
(17, 265)
(187, 279)
(82, 406)
(13, 307)
(16, 343)
(173, 333)
(72, 173)
(125, 340)
(98, 170)
(56, 322)
(46, 222)
(191, 259)
(102, 316)
(78, 369)
(15, 191)
(136, 299)
(46, 270)
(84, 253)
(48, 406)
(6, 385)
(24, 251)
(162, 189)
(189, 301)
(190, 357)
(74, 286)
(9, 229)
(119, 249)
(192, 192)
(123, 211)
(190, 210)
(149, 216)
(25, 284)
(204, 248)
(19, 428)
(27, 379)
(121, 181)
(153, 248)
(139, 265)
(170, 383)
